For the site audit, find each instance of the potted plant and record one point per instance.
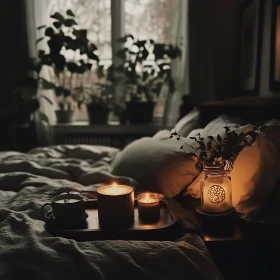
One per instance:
(98, 96)
(215, 157)
(144, 68)
(70, 59)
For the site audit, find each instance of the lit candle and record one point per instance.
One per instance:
(115, 205)
(148, 206)
(114, 189)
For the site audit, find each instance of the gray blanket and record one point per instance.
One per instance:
(27, 181)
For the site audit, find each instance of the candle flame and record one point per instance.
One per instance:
(115, 189)
(147, 197)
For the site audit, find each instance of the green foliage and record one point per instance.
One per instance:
(64, 34)
(218, 151)
(101, 92)
(146, 65)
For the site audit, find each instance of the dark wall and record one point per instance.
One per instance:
(13, 48)
(13, 68)
(226, 42)
(213, 30)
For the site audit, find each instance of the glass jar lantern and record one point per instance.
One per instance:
(216, 194)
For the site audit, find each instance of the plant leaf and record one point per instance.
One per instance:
(57, 24)
(49, 32)
(41, 27)
(70, 13)
(39, 40)
(46, 84)
(58, 16)
(69, 22)
(46, 98)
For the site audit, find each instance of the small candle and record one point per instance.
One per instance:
(148, 207)
(115, 205)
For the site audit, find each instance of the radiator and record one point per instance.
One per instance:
(76, 139)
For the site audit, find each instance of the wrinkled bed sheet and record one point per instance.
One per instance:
(27, 181)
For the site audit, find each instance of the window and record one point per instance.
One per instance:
(107, 20)
(145, 19)
(93, 15)
(150, 19)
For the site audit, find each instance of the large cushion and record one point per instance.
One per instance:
(188, 123)
(255, 171)
(157, 165)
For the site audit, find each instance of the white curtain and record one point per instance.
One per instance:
(37, 12)
(180, 67)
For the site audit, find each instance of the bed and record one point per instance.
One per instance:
(28, 180)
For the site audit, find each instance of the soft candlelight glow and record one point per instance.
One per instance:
(149, 206)
(115, 189)
(215, 198)
(115, 205)
(146, 198)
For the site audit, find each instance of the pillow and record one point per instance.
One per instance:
(157, 165)
(217, 125)
(255, 171)
(162, 135)
(188, 123)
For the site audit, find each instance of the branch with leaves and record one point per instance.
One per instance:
(146, 66)
(219, 151)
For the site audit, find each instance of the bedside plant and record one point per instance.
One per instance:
(215, 157)
(144, 69)
(71, 56)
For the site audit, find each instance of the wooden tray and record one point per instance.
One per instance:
(166, 228)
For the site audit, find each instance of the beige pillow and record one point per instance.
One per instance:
(189, 122)
(157, 165)
(255, 171)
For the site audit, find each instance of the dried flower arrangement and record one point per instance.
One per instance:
(219, 151)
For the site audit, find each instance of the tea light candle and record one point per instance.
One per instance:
(148, 207)
(115, 205)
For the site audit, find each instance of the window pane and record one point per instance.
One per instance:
(150, 19)
(93, 15)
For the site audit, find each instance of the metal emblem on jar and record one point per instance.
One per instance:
(216, 194)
